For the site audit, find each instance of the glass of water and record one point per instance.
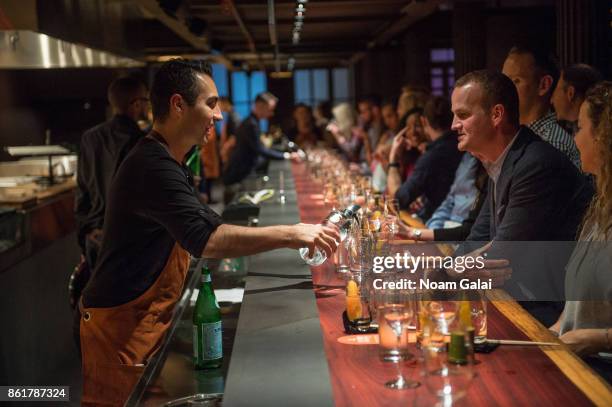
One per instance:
(394, 320)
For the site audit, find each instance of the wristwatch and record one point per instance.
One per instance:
(416, 234)
(393, 165)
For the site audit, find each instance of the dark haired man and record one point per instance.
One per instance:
(534, 192)
(154, 223)
(103, 148)
(435, 170)
(535, 74)
(249, 151)
(570, 92)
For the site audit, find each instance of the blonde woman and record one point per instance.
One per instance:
(586, 323)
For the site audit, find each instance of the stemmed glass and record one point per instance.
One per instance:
(393, 332)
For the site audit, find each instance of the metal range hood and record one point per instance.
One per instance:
(25, 49)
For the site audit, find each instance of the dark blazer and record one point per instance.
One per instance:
(540, 195)
(541, 200)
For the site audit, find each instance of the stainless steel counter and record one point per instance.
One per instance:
(278, 356)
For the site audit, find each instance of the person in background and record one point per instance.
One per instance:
(383, 148)
(249, 150)
(368, 130)
(323, 117)
(534, 72)
(341, 129)
(303, 131)
(586, 322)
(415, 142)
(412, 98)
(570, 92)
(102, 151)
(435, 169)
(211, 166)
(452, 220)
(231, 121)
(154, 225)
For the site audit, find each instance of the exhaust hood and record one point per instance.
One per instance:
(25, 49)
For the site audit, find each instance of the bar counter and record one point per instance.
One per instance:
(286, 349)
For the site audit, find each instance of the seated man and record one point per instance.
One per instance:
(453, 219)
(434, 171)
(534, 191)
(570, 92)
(535, 73)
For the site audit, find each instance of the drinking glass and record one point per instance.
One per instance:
(444, 377)
(478, 308)
(392, 206)
(394, 320)
(361, 252)
(357, 307)
(435, 320)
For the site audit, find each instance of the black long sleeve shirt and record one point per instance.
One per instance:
(103, 148)
(247, 152)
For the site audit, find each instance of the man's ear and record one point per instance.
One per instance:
(546, 82)
(176, 103)
(497, 114)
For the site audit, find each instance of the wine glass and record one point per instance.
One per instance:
(394, 320)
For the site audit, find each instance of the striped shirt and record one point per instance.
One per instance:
(548, 128)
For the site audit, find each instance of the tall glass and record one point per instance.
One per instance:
(394, 320)
(357, 308)
(443, 375)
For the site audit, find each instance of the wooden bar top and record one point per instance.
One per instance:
(509, 376)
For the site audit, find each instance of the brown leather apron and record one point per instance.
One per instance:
(116, 342)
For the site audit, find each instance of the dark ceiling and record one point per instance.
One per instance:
(333, 32)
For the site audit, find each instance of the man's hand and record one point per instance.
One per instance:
(585, 342)
(325, 238)
(498, 270)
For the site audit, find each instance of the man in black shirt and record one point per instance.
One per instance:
(103, 148)
(434, 171)
(153, 223)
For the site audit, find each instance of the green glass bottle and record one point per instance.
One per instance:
(194, 163)
(207, 341)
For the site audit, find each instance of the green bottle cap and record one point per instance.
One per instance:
(457, 352)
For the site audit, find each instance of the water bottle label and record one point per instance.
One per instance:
(207, 341)
(206, 278)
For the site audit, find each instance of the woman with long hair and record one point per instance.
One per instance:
(586, 323)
